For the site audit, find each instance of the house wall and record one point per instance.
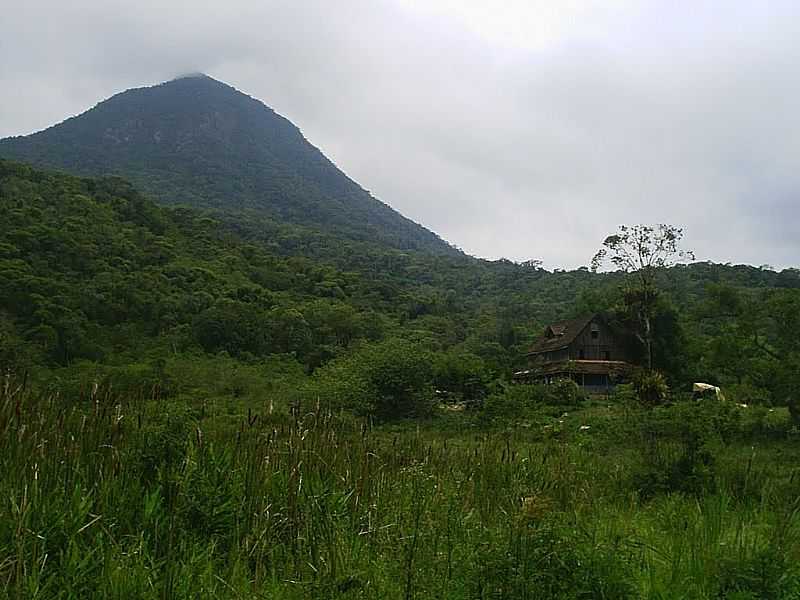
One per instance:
(602, 346)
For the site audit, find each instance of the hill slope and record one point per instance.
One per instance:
(198, 142)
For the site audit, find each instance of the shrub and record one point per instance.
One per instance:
(211, 492)
(678, 442)
(625, 394)
(513, 402)
(794, 410)
(768, 573)
(760, 421)
(462, 374)
(564, 392)
(387, 380)
(135, 379)
(528, 402)
(684, 466)
(745, 393)
(650, 387)
(162, 444)
(234, 327)
(547, 561)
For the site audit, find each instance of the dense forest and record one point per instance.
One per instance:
(99, 279)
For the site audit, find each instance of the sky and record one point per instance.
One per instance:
(516, 129)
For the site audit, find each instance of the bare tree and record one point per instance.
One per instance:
(640, 251)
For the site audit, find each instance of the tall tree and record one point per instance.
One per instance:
(640, 251)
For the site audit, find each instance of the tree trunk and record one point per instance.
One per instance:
(648, 331)
(648, 341)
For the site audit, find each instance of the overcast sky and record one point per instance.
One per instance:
(517, 129)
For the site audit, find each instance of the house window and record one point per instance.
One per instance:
(595, 331)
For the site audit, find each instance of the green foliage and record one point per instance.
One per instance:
(529, 403)
(513, 402)
(747, 393)
(681, 445)
(766, 573)
(460, 375)
(794, 411)
(16, 354)
(235, 327)
(756, 349)
(129, 497)
(564, 392)
(686, 466)
(549, 562)
(387, 380)
(642, 251)
(650, 387)
(163, 444)
(93, 271)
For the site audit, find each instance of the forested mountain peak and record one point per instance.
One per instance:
(197, 141)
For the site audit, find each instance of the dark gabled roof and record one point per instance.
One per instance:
(560, 335)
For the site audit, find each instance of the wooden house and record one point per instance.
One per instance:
(586, 350)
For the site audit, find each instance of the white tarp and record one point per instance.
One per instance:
(705, 388)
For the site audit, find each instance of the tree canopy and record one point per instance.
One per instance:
(640, 251)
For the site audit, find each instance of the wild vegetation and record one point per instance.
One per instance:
(270, 396)
(186, 414)
(98, 283)
(109, 496)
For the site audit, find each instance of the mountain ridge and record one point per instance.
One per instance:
(199, 142)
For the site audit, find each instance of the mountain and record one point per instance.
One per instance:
(196, 141)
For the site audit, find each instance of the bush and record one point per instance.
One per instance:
(16, 355)
(513, 402)
(768, 573)
(760, 421)
(686, 466)
(547, 561)
(387, 380)
(794, 410)
(745, 393)
(234, 327)
(564, 392)
(678, 442)
(462, 375)
(625, 394)
(650, 387)
(162, 443)
(526, 401)
(135, 379)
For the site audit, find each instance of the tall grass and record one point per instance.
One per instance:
(111, 497)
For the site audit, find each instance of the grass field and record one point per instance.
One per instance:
(108, 497)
